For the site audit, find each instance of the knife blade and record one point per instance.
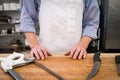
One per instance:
(117, 60)
(97, 63)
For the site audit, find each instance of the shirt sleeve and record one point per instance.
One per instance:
(91, 18)
(29, 15)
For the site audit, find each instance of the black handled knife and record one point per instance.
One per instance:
(117, 60)
(97, 63)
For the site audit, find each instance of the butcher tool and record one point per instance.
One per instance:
(97, 63)
(12, 61)
(18, 59)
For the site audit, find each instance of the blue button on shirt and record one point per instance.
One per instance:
(30, 10)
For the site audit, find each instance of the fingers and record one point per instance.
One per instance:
(45, 54)
(77, 53)
(85, 55)
(39, 53)
(31, 54)
(48, 53)
(34, 54)
(67, 53)
(81, 55)
(70, 52)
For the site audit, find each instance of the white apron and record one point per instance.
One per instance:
(60, 24)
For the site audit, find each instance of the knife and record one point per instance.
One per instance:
(117, 60)
(97, 63)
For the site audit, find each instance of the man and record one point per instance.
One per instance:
(66, 26)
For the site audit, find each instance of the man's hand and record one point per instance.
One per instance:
(79, 51)
(39, 52)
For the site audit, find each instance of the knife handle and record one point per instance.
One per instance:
(97, 56)
(117, 59)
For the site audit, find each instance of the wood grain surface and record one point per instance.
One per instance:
(68, 68)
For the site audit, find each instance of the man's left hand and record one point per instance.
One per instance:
(79, 51)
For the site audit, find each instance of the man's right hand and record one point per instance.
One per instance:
(39, 52)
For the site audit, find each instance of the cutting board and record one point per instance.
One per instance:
(68, 68)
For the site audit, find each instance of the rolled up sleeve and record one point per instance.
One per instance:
(29, 16)
(91, 19)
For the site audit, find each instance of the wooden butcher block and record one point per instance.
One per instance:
(68, 68)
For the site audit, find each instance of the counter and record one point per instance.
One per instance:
(68, 68)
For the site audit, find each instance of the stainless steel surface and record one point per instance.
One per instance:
(110, 27)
